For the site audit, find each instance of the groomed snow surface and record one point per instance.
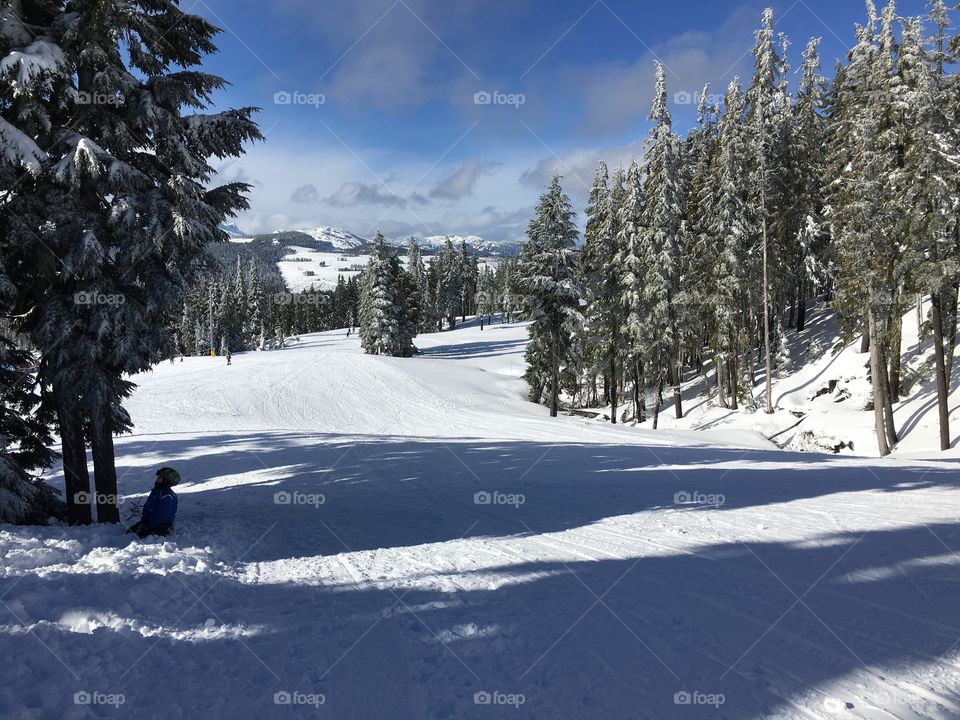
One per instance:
(364, 537)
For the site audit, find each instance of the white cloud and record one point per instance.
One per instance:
(462, 181)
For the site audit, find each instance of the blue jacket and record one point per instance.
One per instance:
(160, 508)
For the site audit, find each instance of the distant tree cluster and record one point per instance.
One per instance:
(707, 253)
(227, 314)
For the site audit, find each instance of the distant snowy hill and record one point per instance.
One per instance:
(331, 239)
(338, 238)
(232, 230)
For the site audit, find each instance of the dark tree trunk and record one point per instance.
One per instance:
(76, 476)
(943, 380)
(877, 371)
(104, 465)
(554, 380)
(802, 307)
(638, 413)
(657, 390)
(896, 346)
(613, 391)
(677, 394)
(865, 340)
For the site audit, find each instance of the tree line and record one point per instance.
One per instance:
(706, 254)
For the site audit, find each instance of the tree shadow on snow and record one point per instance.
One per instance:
(764, 624)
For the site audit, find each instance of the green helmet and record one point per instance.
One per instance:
(168, 476)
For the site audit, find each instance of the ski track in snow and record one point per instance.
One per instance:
(821, 587)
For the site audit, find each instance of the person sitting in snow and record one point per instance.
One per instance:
(160, 510)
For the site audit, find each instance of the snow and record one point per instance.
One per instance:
(366, 537)
(837, 415)
(305, 268)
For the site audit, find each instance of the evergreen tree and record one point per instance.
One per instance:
(119, 199)
(630, 266)
(601, 330)
(661, 220)
(384, 321)
(549, 278)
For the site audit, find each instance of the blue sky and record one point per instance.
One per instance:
(373, 118)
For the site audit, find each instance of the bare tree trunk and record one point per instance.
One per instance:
(766, 304)
(104, 464)
(613, 391)
(734, 376)
(896, 347)
(876, 368)
(802, 307)
(657, 390)
(677, 389)
(721, 368)
(943, 380)
(554, 380)
(76, 476)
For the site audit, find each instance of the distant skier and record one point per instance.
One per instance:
(229, 358)
(160, 510)
(349, 330)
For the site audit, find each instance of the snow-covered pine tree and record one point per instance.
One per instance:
(699, 250)
(417, 296)
(632, 270)
(601, 331)
(384, 323)
(552, 292)
(117, 205)
(864, 153)
(660, 244)
(931, 155)
(255, 305)
(449, 284)
(729, 224)
(765, 121)
(24, 444)
(808, 144)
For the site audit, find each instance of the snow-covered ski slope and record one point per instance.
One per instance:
(366, 537)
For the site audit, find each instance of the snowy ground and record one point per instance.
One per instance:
(820, 400)
(383, 538)
(305, 268)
